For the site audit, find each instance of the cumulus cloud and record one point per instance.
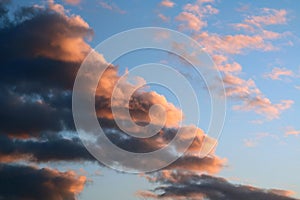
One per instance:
(36, 103)
(37, 89)
(42, 48)
(24, 182)
(193, 15)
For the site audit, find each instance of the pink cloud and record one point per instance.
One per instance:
(193, 21)
(252, 142)
(111, 6)
(73, 2)
(232, 44)
(193, 15)
(167, 3)
(269, 17)
(292, 131)
(163, 17)
(262, 105)
(276, 73)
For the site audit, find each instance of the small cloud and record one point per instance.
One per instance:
(163, 17)
(252, 142)
(72, 2)
(243, 8)
(277, 73)
(167, 3)
(112, 6)
(297, 87)
(292, 131)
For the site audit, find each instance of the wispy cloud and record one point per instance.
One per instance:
(163, 17)
(167, 3)
(267, 17)
(277, 73)
(73, 2)
(252, 142)
(291, 131)
(111, 6)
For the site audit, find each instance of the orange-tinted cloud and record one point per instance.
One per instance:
(73, 2)
(277, 73)
(45, 183)
(167, 3)
(193, 15)
(112, 7)
(269, 17)
(292, 131)
(163, 17)
(232, 44)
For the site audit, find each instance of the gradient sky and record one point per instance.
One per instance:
(254, 44)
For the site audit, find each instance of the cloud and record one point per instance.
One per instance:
(193, 15)
(269, 17)
(209, 164)
(23, 182)
(292, 131)
(167, 3)
(223, 48)
(37, 90)
(163, 17)
(39, 101)
(73, 2)
(50, 114)
(252, 98)
(266, 17)
(112, 7)
(265, 107)
(49, 148)
(252, 142)
(36, 105)
(277, 73)
(185, 185)
(232, 44)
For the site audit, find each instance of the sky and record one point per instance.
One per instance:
(252, 45)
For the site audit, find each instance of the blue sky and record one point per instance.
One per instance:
(256, 47)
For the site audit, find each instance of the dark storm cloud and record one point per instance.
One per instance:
(23, 183)
(185, 185)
